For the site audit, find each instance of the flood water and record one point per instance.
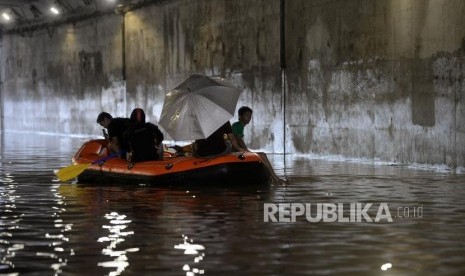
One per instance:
(52, 228)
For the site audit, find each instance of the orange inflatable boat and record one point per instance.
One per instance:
(235, 168)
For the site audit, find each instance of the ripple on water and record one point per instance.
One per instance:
(49, 227)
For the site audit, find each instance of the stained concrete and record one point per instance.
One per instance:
(376, 79)
(368, 79)
(55, 79)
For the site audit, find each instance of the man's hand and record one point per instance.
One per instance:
(129, 157)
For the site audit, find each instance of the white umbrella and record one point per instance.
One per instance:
(198, 106)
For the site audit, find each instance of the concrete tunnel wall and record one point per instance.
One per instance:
(362, 78)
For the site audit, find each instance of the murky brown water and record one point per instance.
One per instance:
(50, 228)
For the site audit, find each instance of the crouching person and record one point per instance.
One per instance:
(142, 139)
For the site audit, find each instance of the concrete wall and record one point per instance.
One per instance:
(56, 80)
(379, 79)
(235, 39)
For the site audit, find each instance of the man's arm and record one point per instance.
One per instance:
(241, 143)
(158, 135)
(238, 131)
(114, 145)
(234, 143)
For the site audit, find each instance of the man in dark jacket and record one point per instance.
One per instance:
(144, 139)
(116, 127)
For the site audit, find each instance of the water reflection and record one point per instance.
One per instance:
(386, 266)
(14, 227)
(192, 249)
(117, 224)
(9, 222)
(19, 223)
(59, 239)
(40, 230)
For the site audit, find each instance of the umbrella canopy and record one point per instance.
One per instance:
(198, 106)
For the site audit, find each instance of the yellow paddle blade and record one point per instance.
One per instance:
(72, 171)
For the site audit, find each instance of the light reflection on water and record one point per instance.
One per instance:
(116, 225)
(30, 227)
(189, 248)
(8, 222)
(68, 229)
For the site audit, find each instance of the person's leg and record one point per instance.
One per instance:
(274, 178)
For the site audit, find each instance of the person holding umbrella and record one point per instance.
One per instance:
(215, 144)
(200, 109)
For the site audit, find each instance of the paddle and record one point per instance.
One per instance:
(72, 171)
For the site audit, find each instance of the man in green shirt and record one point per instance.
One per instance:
(245, 115)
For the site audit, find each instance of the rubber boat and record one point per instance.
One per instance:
(236, 169)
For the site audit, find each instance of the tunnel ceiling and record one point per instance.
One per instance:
(17, 15)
